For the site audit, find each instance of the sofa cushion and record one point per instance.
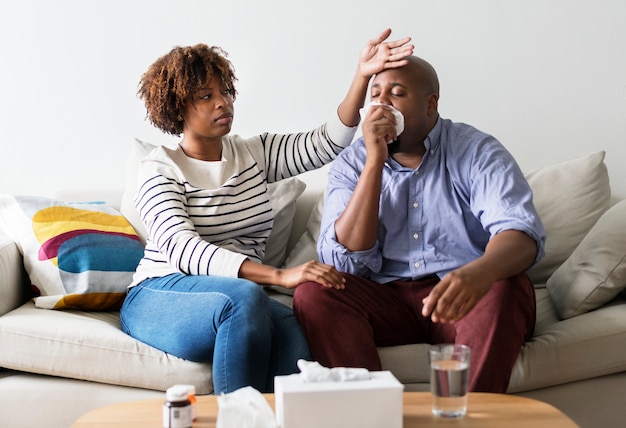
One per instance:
(595, 273)
(570, 197)
(282, 194)
(77, 255)
(581, 347)
(91, 346)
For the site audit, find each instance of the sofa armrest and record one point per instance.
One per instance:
(14, 289)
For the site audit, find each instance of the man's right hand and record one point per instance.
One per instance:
(379, 129)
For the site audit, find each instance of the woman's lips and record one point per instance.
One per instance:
(225, 118)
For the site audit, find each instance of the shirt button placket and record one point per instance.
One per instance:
(416, 221)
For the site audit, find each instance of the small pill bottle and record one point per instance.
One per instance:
(191, 394)
(177, 408)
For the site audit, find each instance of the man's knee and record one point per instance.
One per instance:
(515, 293)
(307, 293)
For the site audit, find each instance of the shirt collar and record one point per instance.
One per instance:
(433, 139)
(431, 144)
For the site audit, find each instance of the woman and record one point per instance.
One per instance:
(205, 205)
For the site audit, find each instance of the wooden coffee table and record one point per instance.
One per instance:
(483, 410)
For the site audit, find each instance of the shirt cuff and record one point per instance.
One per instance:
(339, 132)
(227, 263)
(360, 263)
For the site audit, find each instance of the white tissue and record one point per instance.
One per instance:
(399, 117)
(244, 408)
(312, 371)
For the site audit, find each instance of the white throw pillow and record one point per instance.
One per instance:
(138, 150)
(595, 273)
(570, 197)
(283, 195)
(305, 248)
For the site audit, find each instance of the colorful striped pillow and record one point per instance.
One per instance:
(77, 255)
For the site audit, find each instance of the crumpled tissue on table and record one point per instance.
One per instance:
(244, 408)
(398, 115)
(312, 371)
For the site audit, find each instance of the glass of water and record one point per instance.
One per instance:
(449, 378)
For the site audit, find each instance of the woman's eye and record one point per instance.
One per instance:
(205, 96)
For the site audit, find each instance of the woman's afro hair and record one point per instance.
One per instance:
(172, 81)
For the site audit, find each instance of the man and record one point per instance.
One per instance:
(433, 231)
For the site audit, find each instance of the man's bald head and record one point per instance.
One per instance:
(425, 74)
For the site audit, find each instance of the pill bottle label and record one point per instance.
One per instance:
(177, 416)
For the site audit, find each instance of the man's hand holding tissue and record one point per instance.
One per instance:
(381, 125)
(356, 226)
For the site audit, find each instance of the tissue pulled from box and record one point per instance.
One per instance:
(312, 371)
(244, 408)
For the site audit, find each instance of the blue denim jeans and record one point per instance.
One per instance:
(230, 322)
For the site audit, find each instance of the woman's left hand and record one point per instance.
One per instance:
(323, 274)
(379, 55)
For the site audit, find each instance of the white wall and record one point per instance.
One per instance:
(547, 77)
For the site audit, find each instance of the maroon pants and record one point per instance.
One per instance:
(344, 327)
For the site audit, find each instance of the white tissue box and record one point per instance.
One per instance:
(372, 403)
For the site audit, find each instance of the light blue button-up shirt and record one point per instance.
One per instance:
(437, 217)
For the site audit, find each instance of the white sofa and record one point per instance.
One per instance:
(57, 364)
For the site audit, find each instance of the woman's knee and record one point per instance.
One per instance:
(244, 293)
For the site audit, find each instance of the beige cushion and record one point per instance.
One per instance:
(570, 197)
(283, 195)
(595, 273)
(91, 346)
(578, 348)
(305, 248)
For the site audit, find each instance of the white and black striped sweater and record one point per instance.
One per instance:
(206, 218)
